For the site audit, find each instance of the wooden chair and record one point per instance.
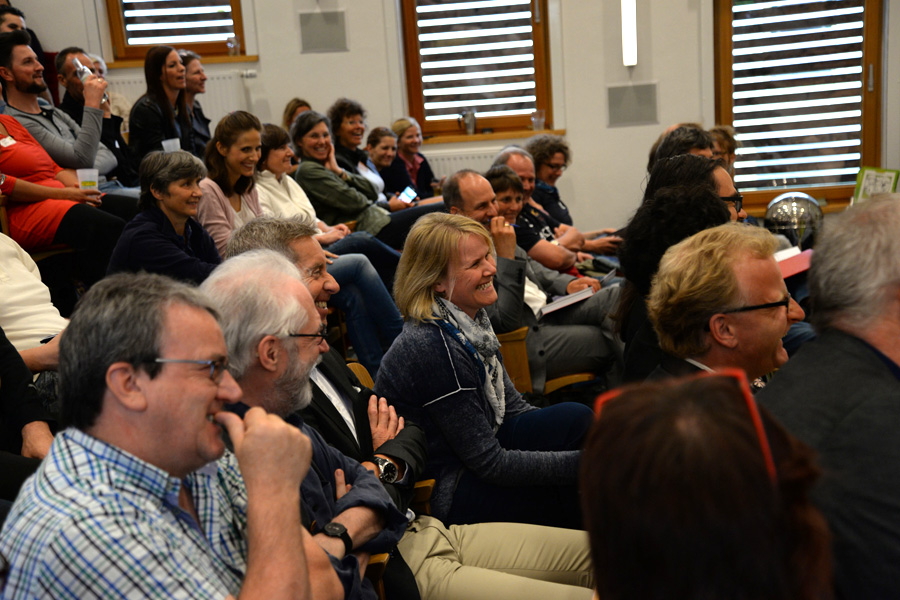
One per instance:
(362, 374)
(515, 359)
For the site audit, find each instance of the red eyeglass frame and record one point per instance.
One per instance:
(750, 402)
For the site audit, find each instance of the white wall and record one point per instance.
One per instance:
(603, 185)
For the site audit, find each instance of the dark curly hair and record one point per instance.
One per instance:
(681, 140)
(542, 148)
(343, 107)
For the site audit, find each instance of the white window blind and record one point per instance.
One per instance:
(797, 80)
(476, 55)
(176, 22)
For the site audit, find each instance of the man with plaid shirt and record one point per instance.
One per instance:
(135, 498)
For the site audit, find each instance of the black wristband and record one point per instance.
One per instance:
(336, 530)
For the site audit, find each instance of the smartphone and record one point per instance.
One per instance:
(408, 195)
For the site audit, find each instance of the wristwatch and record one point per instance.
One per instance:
(387, 468)
(336, 530)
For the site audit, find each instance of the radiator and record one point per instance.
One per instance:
(225, 92)
(447, 162)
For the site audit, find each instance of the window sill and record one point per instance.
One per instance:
(206, 60)
(481, 137)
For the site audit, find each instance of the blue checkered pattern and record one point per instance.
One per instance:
(97, 522)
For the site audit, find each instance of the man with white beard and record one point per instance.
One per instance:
(274, 338)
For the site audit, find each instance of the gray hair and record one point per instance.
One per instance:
(248, 292)
(506, 153)
(271, 233)
(856, 265)
(160, 169)
(120, 319)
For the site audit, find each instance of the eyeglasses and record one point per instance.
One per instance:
(556, 167)
(785, 303)
(322, 334)
(736, 199)
(741, 378)
(216, 367)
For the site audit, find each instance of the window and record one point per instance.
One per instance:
(205, 26)
(483, 55)
(799, 81)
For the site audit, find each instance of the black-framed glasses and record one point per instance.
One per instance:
(736, 199)
(322, 334)
(217, 367)
(785, 303)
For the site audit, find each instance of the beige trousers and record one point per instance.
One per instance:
(497, 561)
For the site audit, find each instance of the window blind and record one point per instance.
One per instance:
(176, 22)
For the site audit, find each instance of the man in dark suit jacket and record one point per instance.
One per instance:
(840, 395)
(404, 446)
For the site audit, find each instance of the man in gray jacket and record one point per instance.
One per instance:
(574, 339)
(69, 145)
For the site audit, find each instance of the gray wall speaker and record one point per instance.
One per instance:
(323, 32)
(632, 104)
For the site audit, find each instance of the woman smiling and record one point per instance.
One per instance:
(339, 195)
(494, 456)
(229, 197)
(160, 114)
(164, 238)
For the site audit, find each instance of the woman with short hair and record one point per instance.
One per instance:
(164, 237)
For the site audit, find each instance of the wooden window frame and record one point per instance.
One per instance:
(516, 123)
(125, 52)
(837, 196)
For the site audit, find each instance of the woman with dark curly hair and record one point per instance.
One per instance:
(551, 158)
(690, 490)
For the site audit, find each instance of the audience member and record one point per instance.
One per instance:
(495, 458)
(372, 318)
(68, 144)
(73, 104)
(553, 244)
(274, 338)
(551, 155)
(690, 491)
(164, 238)
(281, 196)
(381, 146)
(348, 123)
(160, 114)
(409, 168)
(133, 489)
(26, 314)
(47, 207)
(839, 393)
(119, 105)
(719, 300)
(195, 84)
(340, 196)
(13, 19)
(292, 109)
(229, 192)
(570, 340)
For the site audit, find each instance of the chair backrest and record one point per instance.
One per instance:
(362, 374)
(515, 358)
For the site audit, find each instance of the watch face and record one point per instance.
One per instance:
(334, 529)
(388, 470)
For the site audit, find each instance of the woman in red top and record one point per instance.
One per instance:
(47, 207)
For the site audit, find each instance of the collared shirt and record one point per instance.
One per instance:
(412, 166)
(96, 521)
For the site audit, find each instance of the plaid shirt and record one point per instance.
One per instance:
(97, 522)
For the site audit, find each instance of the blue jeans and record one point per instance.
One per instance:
(553, 429)
(383, 257)
(373, 320)
(114, 187)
